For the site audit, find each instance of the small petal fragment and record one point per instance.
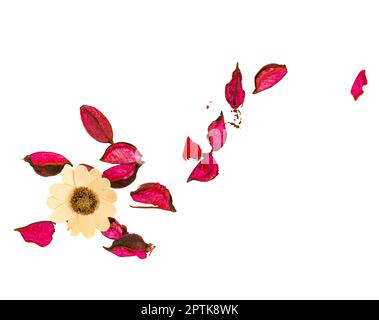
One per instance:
(131, 245)
(40, 233)
(191, 150)
(234, 93)
(360, 81)
(122, 175)
(89, 168)
(206, 169)
(96, 124)
(116, 230)
(269, 76)
(154, 194)
(122, 153)
(47, 164)
(217, 133)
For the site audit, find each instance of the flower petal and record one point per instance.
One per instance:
(40, 233)
(95, 174)
(115, 230)
(217, 133)
(82, 177)
(206, 170)
(121, 153)
(106, 209)
(101, 223)
(47, 164)
(122, 175)
(360, 81)
(53, 202)
(61, 191)
(68, 176)
(130, 245)
(109, 195)
(100, 186)
(72, 225)
(86, 225)
(63, 213)
(269, 76)
(191, 150)
(234, 93)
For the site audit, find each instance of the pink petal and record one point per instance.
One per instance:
(217, 133)
(122, 175)
(206, 170)
(360, 81)
(121, 153)
(88, 167)
(116, 230)
(234, 93)
(47, 164)
(96, 124)
(154, 194)
(40, 233)
(130, 245)
(269, 76)
(191, 150)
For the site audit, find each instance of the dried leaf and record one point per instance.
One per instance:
(96, 124)
(154, 194)
(360, 81)
(47, 164)
(40, 233)
(116, 230)
(191, 150)
(217, 133)
(131, 245)
(206, 169)
(234, 93)
(122, 175)
(269, 76)
(122, 153)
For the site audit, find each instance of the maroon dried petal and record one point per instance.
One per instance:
(131, 245)
(96, 124)
(206, 170)
(47, 164)
(40, 233)
(122, 153)
(217, 133)
(122, 175)
(234, 93)
(191, 150)
(88, 167)
(155, 194)
(269, 76)
(360, 81)
(116, 230)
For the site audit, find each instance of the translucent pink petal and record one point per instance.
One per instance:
(116, 230)
(269, 76)
(47, 164)
(122, 175)
(234, 93)
(217, 133)
(96, 124)
(155, 194)
(360, 81)
(191, 150)
(206, 170)
(122, 153)
(130, 245)
(40, 233)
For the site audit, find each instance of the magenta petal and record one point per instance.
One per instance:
(130, 245)
(122, 175)
(269, 76)
(360, 81)
(47, 164)
(96, 124)
(121, 153)
(206, 169)
(191, 150)
(40, 233)
(155, 194)
(217, 133)
(116, 230)
(234, 93)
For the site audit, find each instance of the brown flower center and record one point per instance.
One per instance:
(84, 201)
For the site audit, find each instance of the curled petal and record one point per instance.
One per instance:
(360, 81)
(96, 124)
(40, 233)
(191, 150)
(116, 230)
(217, 133)
(206, 169)
(47, 164)
(234, 93)
(122, 153)
(269, 76)
(122, 175)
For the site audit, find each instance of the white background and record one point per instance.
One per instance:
(294, 212)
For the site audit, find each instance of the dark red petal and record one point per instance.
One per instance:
(234, 93)
(217, 133)
(121, 153)
(47, 164)
(88, 167)
(40, 233)
(116, 230)
(96, 124)
(191, 150)
(206, 170)
(360, 81)
(269, 76)
(130, 245)
(122, 175)
(155, 194)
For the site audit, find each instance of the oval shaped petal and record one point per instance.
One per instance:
(206, 170)
(122, 175)
(234, 93)
(269, 76)
(46, 163)
(122, 153)
(40, 233)
(130, 245)
(359, 82)
(217, 133)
